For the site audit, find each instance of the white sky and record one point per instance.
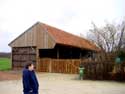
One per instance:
(73, 16)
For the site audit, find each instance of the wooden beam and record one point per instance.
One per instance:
(37, 59)
(58, 53)
(12, 58)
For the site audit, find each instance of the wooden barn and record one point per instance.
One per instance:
(51, 49)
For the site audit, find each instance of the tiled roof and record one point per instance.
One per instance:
(65, 38)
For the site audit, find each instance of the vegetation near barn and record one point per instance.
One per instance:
(111, 60)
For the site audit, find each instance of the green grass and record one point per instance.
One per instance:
(5, 64)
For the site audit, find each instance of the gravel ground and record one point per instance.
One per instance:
(54, 83)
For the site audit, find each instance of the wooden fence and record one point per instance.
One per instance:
(93, 70)
(59, 65)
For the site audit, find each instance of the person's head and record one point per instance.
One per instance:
(30, 66)
(80, 65)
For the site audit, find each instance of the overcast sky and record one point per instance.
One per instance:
(74, 16)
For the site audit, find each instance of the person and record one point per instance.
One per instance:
(30, 82)
(81, 72)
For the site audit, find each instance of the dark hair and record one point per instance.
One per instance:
(28, 65)
(81, 66)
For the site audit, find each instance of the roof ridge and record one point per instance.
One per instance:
(63, 31)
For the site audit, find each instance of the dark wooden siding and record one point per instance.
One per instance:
(21, 55)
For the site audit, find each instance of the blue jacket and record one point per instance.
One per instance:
(30, 82)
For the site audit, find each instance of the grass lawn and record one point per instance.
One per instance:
(5, 64)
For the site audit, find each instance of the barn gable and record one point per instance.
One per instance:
(28, 38)
(34, 36)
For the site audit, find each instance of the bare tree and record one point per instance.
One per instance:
(110, 38)
(121, 42)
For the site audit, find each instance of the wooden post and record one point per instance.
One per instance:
(80, 57)
(57, 53)
(12, 67)
(37, 59)
(50, 65)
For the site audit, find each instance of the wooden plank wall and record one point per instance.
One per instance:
(28, 38)
(59, 65)
(43, 65)
(21, 55)
(65, 66)
(37, 36)
(44, 39)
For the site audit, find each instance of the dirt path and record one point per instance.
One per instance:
(9, 75)
(64, 84)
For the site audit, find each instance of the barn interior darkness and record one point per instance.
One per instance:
(64, 52)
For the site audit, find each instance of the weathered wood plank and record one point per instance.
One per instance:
(59, 65)
(21, 55)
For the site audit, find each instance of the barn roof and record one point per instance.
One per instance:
(64, 38)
